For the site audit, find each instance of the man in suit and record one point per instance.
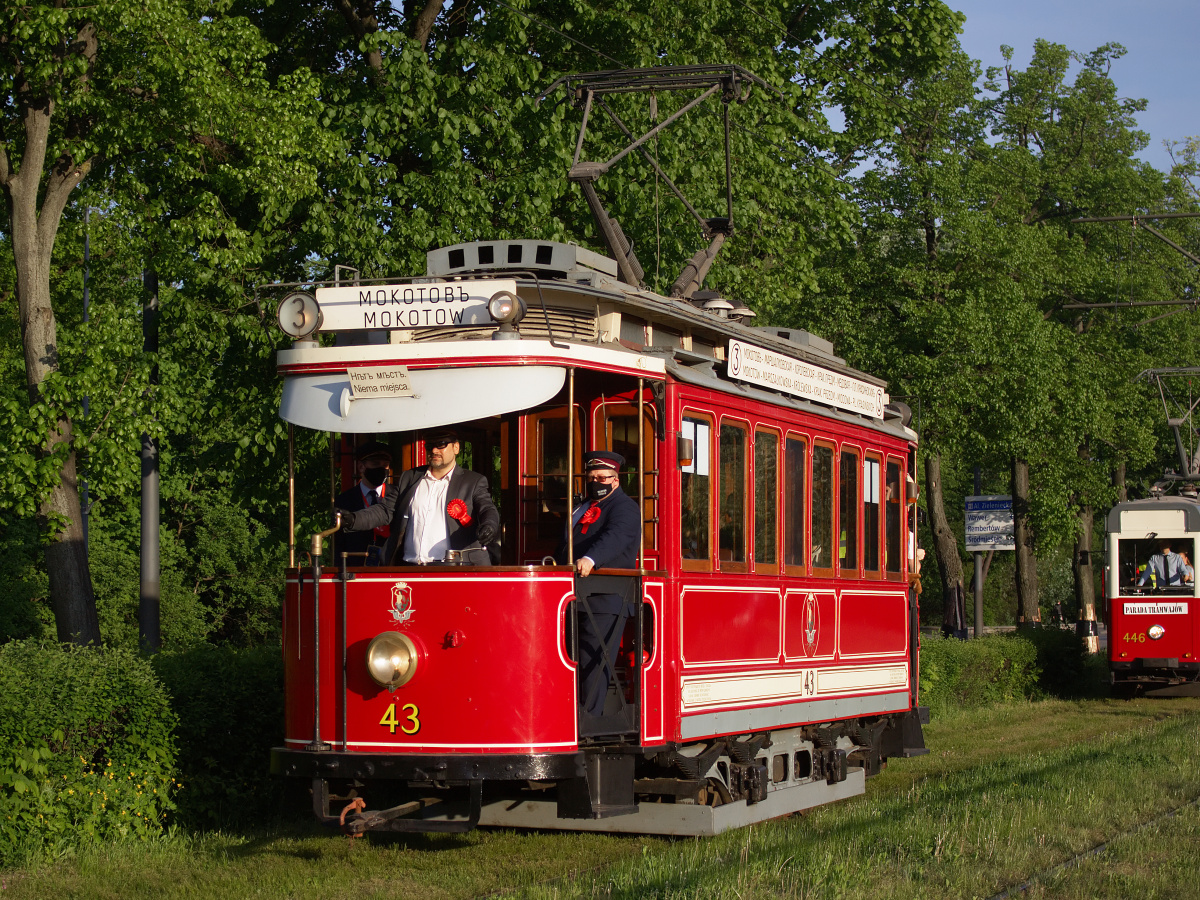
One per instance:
(372, 464)
(433, 508)
(605, 532)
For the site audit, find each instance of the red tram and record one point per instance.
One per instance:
(776, 632)
(1153, 624)
(771, 661)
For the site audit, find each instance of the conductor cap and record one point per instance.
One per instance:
(602, 459)
(372, 448)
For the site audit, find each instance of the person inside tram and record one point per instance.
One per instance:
(605, 535)
(433, 509)
(1165, 568)
(1189, 574)
(372, 465)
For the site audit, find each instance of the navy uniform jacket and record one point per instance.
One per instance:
(611, 541)
(353, 541)
(396, 508)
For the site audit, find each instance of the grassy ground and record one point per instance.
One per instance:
(1003, 794)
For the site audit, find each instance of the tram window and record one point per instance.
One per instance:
(1134, 558)
(871, 515)
(892, 517)
(695, 491)
(848, 512)
(731, 543)
(795, 469)
(545, 483)
(822, 507)
(621, 432)
(766, 498)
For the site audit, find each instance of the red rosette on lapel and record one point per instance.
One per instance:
(588, 518)
(457, 510)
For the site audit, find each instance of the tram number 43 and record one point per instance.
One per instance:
(408, 722)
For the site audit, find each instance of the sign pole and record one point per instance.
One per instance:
(978, 570)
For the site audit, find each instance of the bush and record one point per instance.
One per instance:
(991, 669)
(86, 749)
(230, 708)
(998, 668)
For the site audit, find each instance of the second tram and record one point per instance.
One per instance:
(1153, 626)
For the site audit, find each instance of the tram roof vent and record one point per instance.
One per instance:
(798, 336)
(554, 258)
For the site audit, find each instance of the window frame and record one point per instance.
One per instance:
(703, 564)
(831, 445)
(856, 451)
(902, 506)
(603, 412)
(771, 568)
(730, 565)
(785, 483)
(876, 574)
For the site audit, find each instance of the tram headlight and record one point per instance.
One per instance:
(391, 659)
(506, 308)
(1155, 632)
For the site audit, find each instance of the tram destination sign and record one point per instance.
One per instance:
(766, 368)
(446, 304)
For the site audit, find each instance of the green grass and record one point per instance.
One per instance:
(1004, 793)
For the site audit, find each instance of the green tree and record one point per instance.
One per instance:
(163, 104)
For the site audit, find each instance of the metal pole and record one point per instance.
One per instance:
(148, 601)
(291, 497)
(570, 464)
(978, 571)
(641, 483)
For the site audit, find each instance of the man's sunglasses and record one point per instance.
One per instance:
(437, 445)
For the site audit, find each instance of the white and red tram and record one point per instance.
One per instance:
(772, 665)
(1153, 628)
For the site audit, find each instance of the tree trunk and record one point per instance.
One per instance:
(33, 236)
(1119, 483)
(1027, 583)
(945, 544)
(1085, 591)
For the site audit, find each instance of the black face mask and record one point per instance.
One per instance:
(375, 476)
(598, 490)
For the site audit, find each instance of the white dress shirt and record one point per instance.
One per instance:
(426, 540)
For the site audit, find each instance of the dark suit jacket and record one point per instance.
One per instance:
(396, 508)
(352, 541)
(612, 540)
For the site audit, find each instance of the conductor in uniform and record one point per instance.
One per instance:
(606, 530)
(433, 509)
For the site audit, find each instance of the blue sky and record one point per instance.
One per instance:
(1162, 64)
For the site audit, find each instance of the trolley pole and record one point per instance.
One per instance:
(148, 601)
(978, 569)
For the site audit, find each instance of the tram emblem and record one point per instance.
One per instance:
(810, 625)
(401, 602)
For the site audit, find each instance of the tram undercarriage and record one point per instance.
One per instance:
(697, 789)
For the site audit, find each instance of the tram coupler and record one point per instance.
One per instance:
(411, 816)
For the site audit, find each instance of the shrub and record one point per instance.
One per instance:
(1067, 669)
(978, 672)
(86, 748)
(230, 708)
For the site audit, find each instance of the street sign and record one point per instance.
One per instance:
(990, 523)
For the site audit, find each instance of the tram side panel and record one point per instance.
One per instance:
(755, 653)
